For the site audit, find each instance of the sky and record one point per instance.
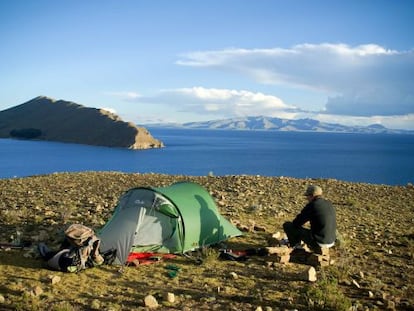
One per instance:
(152, 61)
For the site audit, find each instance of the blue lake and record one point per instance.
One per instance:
(379, 158)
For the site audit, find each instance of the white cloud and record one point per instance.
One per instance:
(200, 104)
(365, 80)
(362, 85)
(226, 102)
(404, 122)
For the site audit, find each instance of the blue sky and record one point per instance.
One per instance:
(350, 62)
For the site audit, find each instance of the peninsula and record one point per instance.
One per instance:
(44, 118)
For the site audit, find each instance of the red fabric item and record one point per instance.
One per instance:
(238, 253)
(148, 258)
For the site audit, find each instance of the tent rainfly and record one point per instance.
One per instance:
(175, 219)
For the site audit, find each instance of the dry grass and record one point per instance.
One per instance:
(373, 269)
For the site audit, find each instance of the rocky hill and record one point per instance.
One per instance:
(372, 268)
(277, 124)
(43, 118)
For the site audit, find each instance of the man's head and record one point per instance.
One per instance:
(313, 191)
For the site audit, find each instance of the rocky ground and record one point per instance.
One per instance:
(372, 268)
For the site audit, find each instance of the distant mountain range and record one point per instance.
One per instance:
(277, 124)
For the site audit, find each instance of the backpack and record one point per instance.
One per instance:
(83, 247)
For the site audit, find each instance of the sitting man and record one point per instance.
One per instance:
(322, 218)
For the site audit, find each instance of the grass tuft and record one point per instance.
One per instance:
(327, 295)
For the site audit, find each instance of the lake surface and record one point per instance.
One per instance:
(370, 158)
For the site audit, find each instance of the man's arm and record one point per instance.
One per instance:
(303, 217)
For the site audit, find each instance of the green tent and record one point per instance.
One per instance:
(175, 219)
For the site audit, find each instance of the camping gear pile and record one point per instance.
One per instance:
(79, 250)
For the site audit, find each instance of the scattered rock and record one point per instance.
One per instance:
(54, 279)
(170, 297)
(36, 291)
(259, 228)
(279, 250)
(356, 284)
(150, 302)
(309, 275)
(234, 275)
(277, 236)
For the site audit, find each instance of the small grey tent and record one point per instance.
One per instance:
(175, 219)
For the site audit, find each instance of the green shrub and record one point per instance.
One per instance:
(326, 295)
